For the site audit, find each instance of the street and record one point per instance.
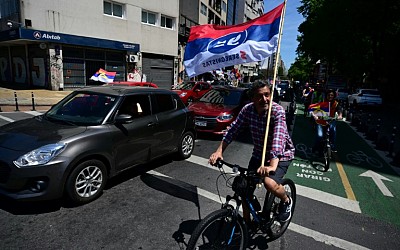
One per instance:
(156, 206)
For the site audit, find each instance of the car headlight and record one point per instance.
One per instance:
(183, 94)
(41, 155)
(224, 117)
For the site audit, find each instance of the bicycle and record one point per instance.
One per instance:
(326, 121)
(225, 228)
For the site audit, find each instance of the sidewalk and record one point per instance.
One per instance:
(41, 98)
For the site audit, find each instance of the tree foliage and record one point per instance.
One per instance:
(355, 37)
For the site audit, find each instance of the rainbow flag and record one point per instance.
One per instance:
(103, 76)
(321, 108)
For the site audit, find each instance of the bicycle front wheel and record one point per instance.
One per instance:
(219, 230)
(275, 228)
(327, 157)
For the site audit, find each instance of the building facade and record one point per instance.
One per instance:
(48, 44)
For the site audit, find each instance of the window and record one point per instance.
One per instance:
(113, 9)
(224, 7)
(166, 22)
(148, 17)
(165, 103)
(203, 9)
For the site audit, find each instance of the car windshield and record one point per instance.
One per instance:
(283, 86)
(82, 109)
(186, 85)
(222, 96)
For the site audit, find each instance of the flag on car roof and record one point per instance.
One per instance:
(320, 109)
(212, 47)
(103, 76)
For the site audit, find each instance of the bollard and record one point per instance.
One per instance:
(33, 102)
(391, 144)
(16, 101)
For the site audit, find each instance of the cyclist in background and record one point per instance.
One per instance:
(317, 95)
(280, 148)
(334, 108)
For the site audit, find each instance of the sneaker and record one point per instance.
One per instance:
(285, 211)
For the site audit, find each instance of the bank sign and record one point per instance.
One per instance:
(44, 36)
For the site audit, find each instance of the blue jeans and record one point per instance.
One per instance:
(320, 135)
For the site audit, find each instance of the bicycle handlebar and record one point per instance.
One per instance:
(236, 168)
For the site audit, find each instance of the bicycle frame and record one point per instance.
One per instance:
(258, 217)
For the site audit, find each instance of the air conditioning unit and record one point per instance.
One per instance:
(133, 58)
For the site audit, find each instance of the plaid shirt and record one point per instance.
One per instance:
(279, 144)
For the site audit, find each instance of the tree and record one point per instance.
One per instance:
(357, 37)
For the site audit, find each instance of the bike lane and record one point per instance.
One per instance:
(357, 172)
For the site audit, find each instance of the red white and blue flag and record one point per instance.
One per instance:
(103, 76)
(212, 47)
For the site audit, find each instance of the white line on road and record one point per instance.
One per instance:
(320, 237)
(307, 192)
(6, 118)
(35, 113)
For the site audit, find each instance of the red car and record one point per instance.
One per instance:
(191, 91)
(133, 84)
(218, 108)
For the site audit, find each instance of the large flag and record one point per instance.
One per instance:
(103, 76)
(212, 47)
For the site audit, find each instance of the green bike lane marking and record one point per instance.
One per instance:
(372, 183)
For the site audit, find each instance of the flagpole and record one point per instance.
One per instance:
(273, 82)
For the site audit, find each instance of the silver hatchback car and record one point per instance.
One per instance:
(89, 136)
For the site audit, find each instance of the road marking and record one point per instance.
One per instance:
(377, 178)
(6, 118)
(345, 180)
(35, 113)
(317, 236)
(315, 194)
(328, 240)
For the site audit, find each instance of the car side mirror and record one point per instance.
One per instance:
(123, 119)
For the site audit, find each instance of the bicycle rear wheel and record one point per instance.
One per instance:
(273, 227)
(219, 230)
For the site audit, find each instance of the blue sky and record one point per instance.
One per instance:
(292, 21)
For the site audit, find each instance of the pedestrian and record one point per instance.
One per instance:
(279, 151)
(307, 94)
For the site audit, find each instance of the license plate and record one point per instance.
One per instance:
(201, 123)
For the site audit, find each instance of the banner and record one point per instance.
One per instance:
(212, 47)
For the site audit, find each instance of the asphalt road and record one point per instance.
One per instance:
(157, 206)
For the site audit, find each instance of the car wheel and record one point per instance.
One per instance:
(86, 182)
(186, 145)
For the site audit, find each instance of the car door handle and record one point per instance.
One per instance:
(152, 124)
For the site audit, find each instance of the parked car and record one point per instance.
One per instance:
(133, 84)
(365, 97)
(216, 110)
(191, 91)
(342, 94)
(88, 137)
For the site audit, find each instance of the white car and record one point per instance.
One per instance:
(342, 94)
(365, 97)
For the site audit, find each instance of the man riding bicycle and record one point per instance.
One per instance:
(333, 108)
(280, 148)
